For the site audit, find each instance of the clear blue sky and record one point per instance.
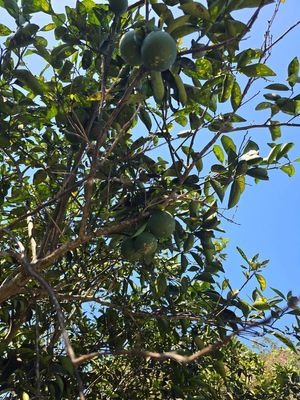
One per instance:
(268, 213)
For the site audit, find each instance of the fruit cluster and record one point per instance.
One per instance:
(156, 50)
(161, 225)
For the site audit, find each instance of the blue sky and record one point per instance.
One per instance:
(268, 213)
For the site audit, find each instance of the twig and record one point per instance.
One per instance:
(172, 355)
(31, 238)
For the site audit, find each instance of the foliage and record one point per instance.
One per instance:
(91, 149)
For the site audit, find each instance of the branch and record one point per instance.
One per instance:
(17, 283)
(174, 356)
(60, 316)
(31, 238)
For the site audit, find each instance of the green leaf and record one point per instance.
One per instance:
(39, 177)
(277, 86)
(218, 188)
(243, 255)
(289, 169)
(263, 106)
(237, 188)
(284, 149)
(49, 27)
(29, 80)
(275, 130)
(203, 68)
(4, 30)
(273, 153)
(195, 10)
(33, 6)
(258, 173)
(11, 7)
(256, 70)
(189, 242)
(261, 280)
(218, 152)
(279, 293)
(236, 96)
(239, 5)
(286, 341)
(228, 144)
(293, 71)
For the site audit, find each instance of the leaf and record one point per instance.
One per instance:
(278, 292)
(239, 5)
(293, 71)
(218, 152)
(277, 86)
(273, 153)
(261, 280)
(195, 10)
(289, 169)
(286, 341)
(188, 243)
(275, 130)
(4, 30)
(228, 144)
(236, 190)
(284, 149)
(236, 96)
(258, 173)
(243, 255)
(218, 188)
(49, 27)
(140, 230)
(29, 80)
(255, 70)
(39, 177)
(263, 105)
(33, 6)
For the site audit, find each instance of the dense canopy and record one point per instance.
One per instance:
(116, 172)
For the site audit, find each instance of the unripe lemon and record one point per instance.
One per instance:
(130, 50)
(161, 224)
(158, 51)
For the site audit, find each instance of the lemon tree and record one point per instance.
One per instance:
(123, 149)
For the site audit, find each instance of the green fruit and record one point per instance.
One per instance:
(118, 7)
(145, 244)
(158, 51)
(161, 224)
(128, 250)
(130, 49)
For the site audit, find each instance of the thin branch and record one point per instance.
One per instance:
(60, 316)
(31, 238)
(15, 285)
(174, 356)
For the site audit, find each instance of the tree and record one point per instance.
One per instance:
(112, 273)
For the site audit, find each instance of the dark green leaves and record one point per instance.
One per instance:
(257, 70)
(28, 80)
(258, 173)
